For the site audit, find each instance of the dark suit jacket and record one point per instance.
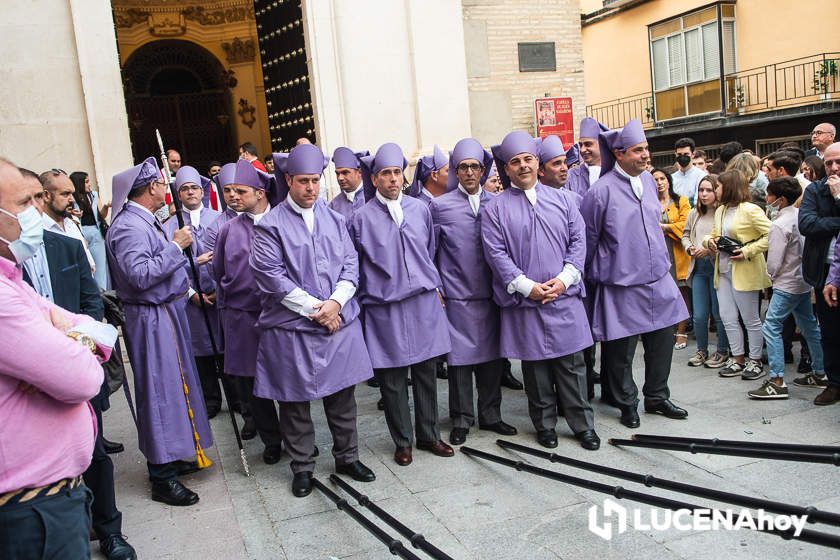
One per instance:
(73, 286)
(811, 152)
(819, 222)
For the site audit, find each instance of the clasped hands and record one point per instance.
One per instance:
(546, 292)
(327, 315)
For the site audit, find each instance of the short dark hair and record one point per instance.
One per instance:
(249, 148)
(785, 160)
(214, 163)
(793, 147)
(685, 143)
(699, 153)
(817, 165)
(267, 158)
(730, 150)
(787, 187)
(28, 173)
(735, 188)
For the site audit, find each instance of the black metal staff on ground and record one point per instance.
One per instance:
(827, 458)
(395, 547)
(813, 514)
(417, 540)
(807, 535)
(197, 287)
(773, 446)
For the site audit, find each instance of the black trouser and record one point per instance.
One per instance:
(829, 318)
(393, 385)
(162, 472)
(56, 526)
(206, 367)
(617, 367)
(488, 383)
(558, 381)
(263, 411)
(99, 477)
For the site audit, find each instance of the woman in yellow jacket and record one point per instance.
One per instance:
(675, 211)
(742, 274)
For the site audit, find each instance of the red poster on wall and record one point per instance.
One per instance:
(553, 115)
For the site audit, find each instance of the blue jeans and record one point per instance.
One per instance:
(782, 304)
(704, 301)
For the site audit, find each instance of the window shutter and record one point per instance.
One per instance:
(711, 51)
(676, 70)
(729, 59)
(694, 55)
(660, 65)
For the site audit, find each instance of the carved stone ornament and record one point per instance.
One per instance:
(128, 13)
(238, 51)
(246, 113)
(167, 25)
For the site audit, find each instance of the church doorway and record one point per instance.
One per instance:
(181, 89)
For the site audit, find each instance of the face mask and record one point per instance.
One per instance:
(31, 234)
(683, 160)
(773, 210)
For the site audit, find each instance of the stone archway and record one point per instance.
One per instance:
(183, 90)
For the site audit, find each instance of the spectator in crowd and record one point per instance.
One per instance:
(821, 138)
(699, 160)
(747, 165)
(92, 214)
(819, 222)
(268, 162)
(686, 176)
(791, 294)
(214, 168)
(701, 272)
(740, 271)
(813, 168)
(729, 151)
(248, 152)
(174, 159)
(675, 209)
(785, 163)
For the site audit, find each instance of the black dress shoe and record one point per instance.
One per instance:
(500, 428)
(441, 371)
(272, 454)
(630, 418)
(213, 410)
(667, 409)
(357, 471)
(588, 439)
(380, 404)
(302, 484)
(458, 436)
(173, 493)
(547, 438)
(594, 375)
(509, 381)
(115, 547)
(184, 468)
(373, 382)
(112, 447)
(249, 429)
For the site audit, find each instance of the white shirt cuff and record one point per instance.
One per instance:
(569, 276)
(190, 293)
(522, 285)
(101, 333)
(173, 241)
(344, 290)
(300, 302)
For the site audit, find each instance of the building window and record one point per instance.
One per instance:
(686, 61)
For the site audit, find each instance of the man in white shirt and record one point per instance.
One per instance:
(687, 177)
(58, 201)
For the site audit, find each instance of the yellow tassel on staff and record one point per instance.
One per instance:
(201, 460)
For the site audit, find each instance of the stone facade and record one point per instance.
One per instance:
(502, 97)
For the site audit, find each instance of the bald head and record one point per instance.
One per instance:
(831, 159)
(14, 199)
(822, 136)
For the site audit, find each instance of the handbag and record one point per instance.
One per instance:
(728, 245)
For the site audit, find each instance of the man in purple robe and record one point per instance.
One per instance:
(553, 171)
(224, 182)
(627, 267)
(404, 322)
(583, 176)
(533, 238)
(191, 187)
(311, 346)
(467, 290)
(147, 271)
(234, 277)
(430, 176)
(349, 177)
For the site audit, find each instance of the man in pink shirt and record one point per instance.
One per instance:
(47, 427)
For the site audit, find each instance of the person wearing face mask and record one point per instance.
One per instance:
(791, 294)
(687, 176)
(47, 427)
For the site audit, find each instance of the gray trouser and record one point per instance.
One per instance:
(299, 431)
(617, 367)
(262, 410)
(733, 303)
(488, 378)
(394, 388)
(558, 380)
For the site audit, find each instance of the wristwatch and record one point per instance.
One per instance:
(84, 340)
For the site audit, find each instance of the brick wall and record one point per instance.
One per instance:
(502, 97)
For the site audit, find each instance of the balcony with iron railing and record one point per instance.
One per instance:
(782, 85)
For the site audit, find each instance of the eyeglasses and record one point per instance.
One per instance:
(818, 132)
(474, 167)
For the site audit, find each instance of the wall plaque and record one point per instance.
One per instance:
(537, 57)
